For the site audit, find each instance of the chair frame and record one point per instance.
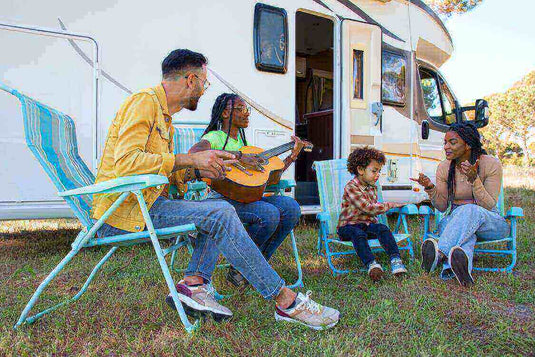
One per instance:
(87, 236)
(327, 241)
(513, 214)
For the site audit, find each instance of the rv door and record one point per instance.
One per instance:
(361, 85)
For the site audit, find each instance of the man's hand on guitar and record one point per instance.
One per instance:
(213, 163)
(252, 161)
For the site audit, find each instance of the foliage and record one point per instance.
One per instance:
(450, 7)
(512, 118)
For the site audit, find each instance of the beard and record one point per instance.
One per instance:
(193, 103)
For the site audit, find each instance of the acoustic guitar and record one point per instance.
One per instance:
(246, 184)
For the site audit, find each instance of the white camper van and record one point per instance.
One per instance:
(341, 73)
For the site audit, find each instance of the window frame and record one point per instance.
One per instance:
(404, 56)
(265, 67)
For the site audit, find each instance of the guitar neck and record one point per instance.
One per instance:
(276, 151)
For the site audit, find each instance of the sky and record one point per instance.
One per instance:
(494, 46)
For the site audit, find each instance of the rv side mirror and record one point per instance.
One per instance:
(425, 130)
(482, 113)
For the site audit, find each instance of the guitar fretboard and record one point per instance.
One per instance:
(268, 154)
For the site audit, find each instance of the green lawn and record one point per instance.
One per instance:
(124, 313)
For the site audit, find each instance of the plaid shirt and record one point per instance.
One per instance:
(359, 204)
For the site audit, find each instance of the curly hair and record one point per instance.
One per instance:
(362, 157)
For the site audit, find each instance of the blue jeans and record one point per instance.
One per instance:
(464, 226)
(268, 221)
(359, 234)
(219, 231)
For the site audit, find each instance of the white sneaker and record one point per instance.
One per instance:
(375, 271)
(199, 301)
(309, 313)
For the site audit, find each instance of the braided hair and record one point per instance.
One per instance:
(468, 132)
(216, 121)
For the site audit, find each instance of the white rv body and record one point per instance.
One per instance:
(130, 39)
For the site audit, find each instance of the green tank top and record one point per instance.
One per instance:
(217, 140)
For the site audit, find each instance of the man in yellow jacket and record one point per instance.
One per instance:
(140, 141)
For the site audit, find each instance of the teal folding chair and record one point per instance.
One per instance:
(184, 139)
(505, 247)
(51, 136)
(332, 176)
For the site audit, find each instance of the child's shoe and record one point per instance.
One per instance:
(375, 271)
(397, 266)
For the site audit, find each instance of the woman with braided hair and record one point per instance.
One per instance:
(271, 219)
(467, 188)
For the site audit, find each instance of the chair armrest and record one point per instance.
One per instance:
(426, 211)
(514, 212)
(121, 184)
(323, 216)
(409, 209)
(281, 186)
(196, 186)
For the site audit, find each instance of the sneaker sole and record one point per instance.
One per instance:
(399, 272)
(376, 274)
(196, 310)
(429, 256)
(317, 328)
(459, 266)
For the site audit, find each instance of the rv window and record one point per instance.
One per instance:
(358, 78)
(448, 101)
(270, 38)
(394, 70)
(431, 95)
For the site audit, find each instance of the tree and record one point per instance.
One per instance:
(449, 7)
(520, 116)
(512, 118)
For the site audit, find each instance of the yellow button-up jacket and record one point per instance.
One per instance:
(140, 141)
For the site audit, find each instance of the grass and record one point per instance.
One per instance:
(123, 312)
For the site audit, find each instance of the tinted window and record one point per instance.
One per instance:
(394, 70)
(270, 38)
(358, 78)
(431, 95)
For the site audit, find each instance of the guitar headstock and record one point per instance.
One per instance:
(308, 146)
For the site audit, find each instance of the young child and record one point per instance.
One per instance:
(358, 218)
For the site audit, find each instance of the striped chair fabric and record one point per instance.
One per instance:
(51, 136)
(185, 138)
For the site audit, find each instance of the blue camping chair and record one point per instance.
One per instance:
(51, 136)
(184, 139)
(505, 246)
(332, 176)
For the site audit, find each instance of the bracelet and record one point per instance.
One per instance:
(197, 174)
(240, 155)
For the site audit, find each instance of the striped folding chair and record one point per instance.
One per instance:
(184, 139)
(504, 247)
(332, 176)
(51, 136)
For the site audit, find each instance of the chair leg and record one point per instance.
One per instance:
(299, 282)
(163, 265)
(23, 317)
